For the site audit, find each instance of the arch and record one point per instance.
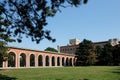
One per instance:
(32, 60)
(74, 61)
(58, 61)
(22, 60)
(67, 62)
(11, 59)
(71, 62)
(53, 61)
(47, 60)
(63, 61)
(40, 60)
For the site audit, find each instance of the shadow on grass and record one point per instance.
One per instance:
(4, 77)
(73, 79)
(117, 71)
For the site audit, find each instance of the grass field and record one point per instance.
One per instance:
(63, 73)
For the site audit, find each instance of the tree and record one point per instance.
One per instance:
(4, 38)
(50, 49)
(3, 53)
(99, 51)
(29, 17)
(86, 53)
(106, 57)
(116, 55)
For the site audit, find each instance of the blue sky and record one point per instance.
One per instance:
(98, 20)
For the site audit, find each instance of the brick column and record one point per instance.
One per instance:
(27, 60)
(55, 60)
(64, 61)
(50, 61)
(44, 60)
(68, 61)
(60, 61)
(5, 64)
(73, 62)
(17, 60)
(36, 60)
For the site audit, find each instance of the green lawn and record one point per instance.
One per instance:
(64, 73)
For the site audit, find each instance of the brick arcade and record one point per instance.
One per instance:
(20, 57)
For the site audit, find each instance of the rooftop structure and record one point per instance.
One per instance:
(74, 41)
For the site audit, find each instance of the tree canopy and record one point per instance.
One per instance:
(29, 17)
(51, 49)
(109, 55)
(86, 53)
(4, 38)
(90, 54)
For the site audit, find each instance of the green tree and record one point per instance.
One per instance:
(51, 49)
(106, 58)
(108, 55)
(86, 53)
(3, 52)
(29, 17)
(116, 55)
(4, 38)
(99, 51)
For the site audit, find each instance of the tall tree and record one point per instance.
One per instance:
(86, 53)
(4, 38)
(51, 49)
(116, 55)
(108, 55)
(3, 53)
(106, 58)
(99, 51)
(29, 17)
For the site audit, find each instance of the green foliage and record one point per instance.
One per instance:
(86, 53)
(99, 51)
(51, 49)
(4, 38)
(116, 55)
(29, 17)
(3, 53)
(108, 55)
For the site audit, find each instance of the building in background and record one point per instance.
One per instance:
(74, 44)
(71, 47)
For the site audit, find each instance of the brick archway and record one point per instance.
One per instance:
(32, 60)
(22, 60)
(40, 60)
(53, 61)
(58, 61)
(63, 61)
(35, 58)
(47, 59)
(11, 59)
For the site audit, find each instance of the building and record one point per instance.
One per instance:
(74, 44)
(70, 48)
(21, 57)
(113, 42)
